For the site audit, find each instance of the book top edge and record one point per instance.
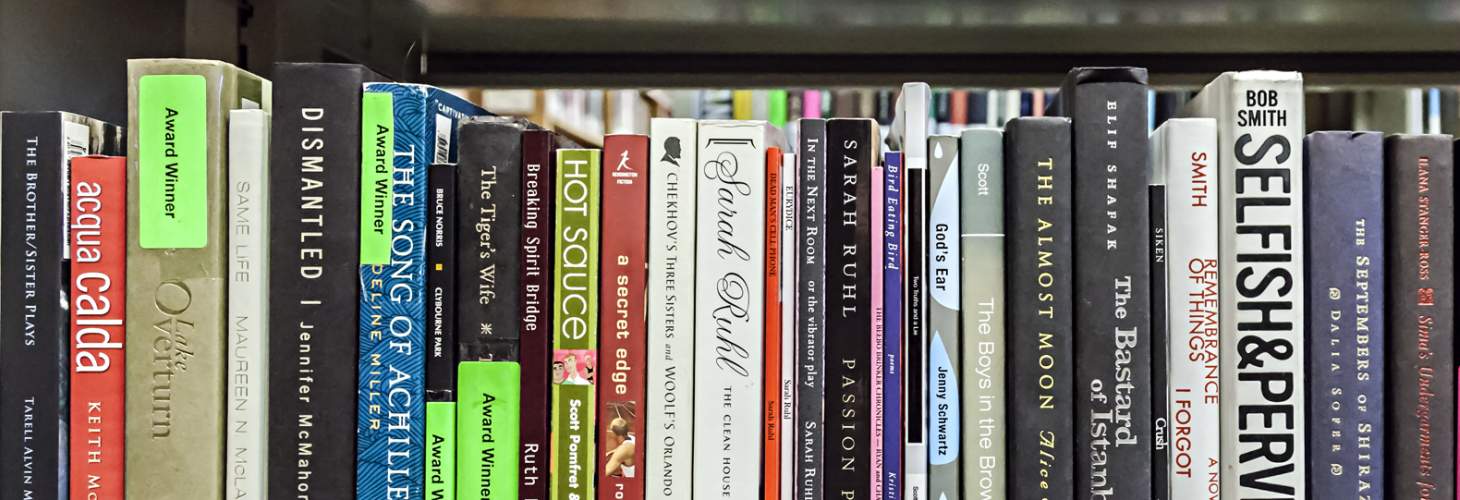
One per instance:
(135, 64)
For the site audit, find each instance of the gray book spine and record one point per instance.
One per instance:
(811, 308)
(1112, 282)
(981, 152)
(944, 417)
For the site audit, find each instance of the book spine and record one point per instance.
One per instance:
(771, 452)
(892, 278)
(1419, 175)
(98, 324)
(440, 444)
(671, 308)
(846, 456)
(33, 347)
(390, 409)
(879, 331)
(730, 313)
(176, 275)
(981, 182)
(488, 407)
(489, 183)
(944, 281)
(1260, 124)
(1160, 342)
(1039, 219)
(913, 106)
(810, 305)
(789, 339)
(538, 192)
(314, 249)
(406, 128)
(624, 258)
(1112, 284)
(248, 299)
(1187, 153)
(1345, 227)
(575, 330)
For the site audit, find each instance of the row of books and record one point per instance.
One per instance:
(331, 286)
(1409, 110)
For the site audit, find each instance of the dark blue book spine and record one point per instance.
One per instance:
(1345, 314)
(391, 404)
(892, 319)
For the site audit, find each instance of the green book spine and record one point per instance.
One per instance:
(575, 296)
(776, 111)
(488, 404)
(440, 450)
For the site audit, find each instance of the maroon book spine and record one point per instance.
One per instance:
(623, 261)
(538, 148)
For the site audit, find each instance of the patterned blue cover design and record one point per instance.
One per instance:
(391, 414)
(892, 317)
(1345, 192)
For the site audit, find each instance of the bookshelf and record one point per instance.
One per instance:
(724, 43)
(689, 43)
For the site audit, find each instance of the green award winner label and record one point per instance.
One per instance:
(377, 150)
(488, 408)
(441, 450)
(575, 297)
(172, 161)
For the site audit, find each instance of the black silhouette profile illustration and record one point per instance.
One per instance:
(671, 151)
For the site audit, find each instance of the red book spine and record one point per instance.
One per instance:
(98, 311)
(772, 450)
(622, 342)
(958, 107)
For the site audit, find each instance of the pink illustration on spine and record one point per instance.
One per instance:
(811, 104)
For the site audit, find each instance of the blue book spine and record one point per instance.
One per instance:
(1345, 314)
(391, 412)
(892, 319)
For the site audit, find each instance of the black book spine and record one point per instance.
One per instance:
(915, 316)
(847, 457)
(1420, 227)
(34, 322)
(811, 308)
(1112, 289)
(314, 255)
(1039, 217)
(1160, 338)
(489, 208)
(440, 283)
(534, 296)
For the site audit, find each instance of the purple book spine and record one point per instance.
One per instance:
(892, 326)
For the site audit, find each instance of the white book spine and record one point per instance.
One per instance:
(1259, 139)
(788, 324)
(671, 301)
(913, 103)
(248, 299)
(730, 310)
(1187, 150)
